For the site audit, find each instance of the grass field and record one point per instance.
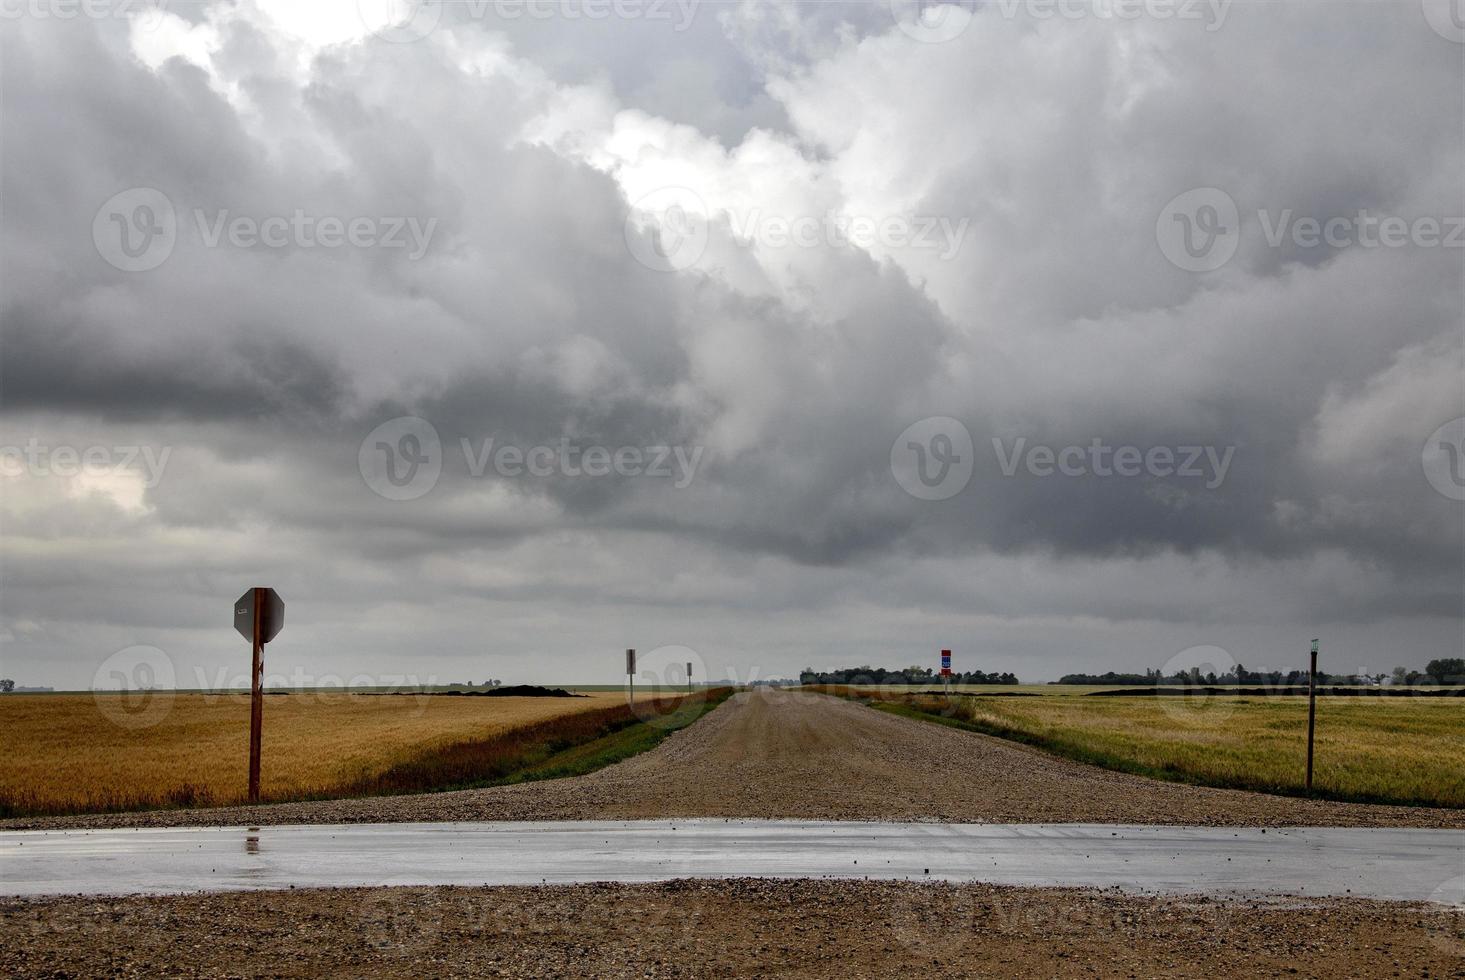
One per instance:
(1383, 750)
(79, 753)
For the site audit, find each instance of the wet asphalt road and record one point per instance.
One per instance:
(1403, 864)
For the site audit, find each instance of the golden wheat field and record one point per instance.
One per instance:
(87, 752)
(1399, 750)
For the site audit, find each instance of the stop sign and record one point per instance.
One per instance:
(271, 614)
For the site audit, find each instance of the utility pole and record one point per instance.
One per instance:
(1311, 710)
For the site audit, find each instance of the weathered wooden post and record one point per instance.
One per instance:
(259, 615)
(1311, 709)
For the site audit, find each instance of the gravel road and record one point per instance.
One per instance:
(785, 754)
(843, 929)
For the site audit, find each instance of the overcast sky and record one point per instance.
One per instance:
(1066, 340)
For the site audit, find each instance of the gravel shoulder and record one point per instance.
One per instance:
(740, 927)
(778, 754)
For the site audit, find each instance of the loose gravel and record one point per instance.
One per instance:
(799, 755)
(736, 928)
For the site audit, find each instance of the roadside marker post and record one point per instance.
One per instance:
(631, 673)
(689, 677)
(259, 615)
(1311, 709)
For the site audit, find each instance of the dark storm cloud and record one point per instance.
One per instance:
(1316, 373)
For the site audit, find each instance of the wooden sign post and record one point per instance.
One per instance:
(1311, 709)
(259, 615)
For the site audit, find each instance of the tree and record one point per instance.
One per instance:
(1450, 670)
(1401, 676)
(6, 685)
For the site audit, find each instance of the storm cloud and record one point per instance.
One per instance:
(942, 307)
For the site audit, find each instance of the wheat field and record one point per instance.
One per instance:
(1397, 750)
(113, 751)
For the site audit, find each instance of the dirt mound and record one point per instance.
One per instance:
(518, 691)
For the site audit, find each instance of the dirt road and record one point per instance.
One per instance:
(785, 754)
(723, 928)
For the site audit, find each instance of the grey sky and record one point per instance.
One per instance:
(561, 230)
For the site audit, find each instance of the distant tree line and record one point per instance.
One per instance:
(1450, 670)
(909, 675)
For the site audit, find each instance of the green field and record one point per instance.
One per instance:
(1381, 750)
